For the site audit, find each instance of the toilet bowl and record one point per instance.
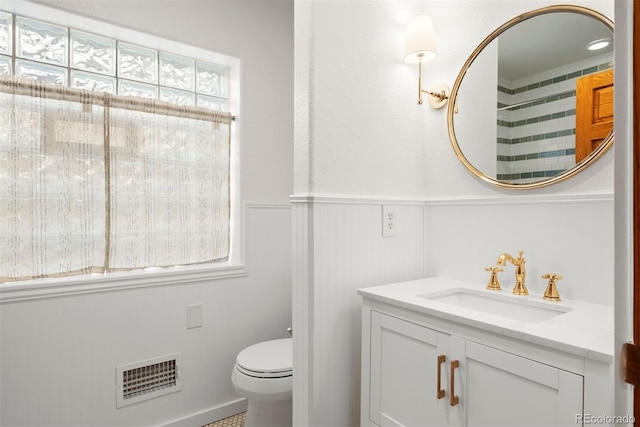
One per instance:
(263, 375)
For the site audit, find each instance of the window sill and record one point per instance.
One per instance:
(88, 284)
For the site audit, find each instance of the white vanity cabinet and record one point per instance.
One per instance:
(422, 377)
(404, 373)
(423, 367)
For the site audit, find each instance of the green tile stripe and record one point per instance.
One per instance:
(528, 175)
(537, 137)
(556, 79)
(539, 155)
(538, 101)
(541, 174)
(533, 120)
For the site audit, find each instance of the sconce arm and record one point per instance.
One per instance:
(438, 95)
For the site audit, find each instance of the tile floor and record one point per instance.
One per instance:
(234, 421)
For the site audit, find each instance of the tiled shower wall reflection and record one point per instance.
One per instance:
(69, 57)
(537, 140)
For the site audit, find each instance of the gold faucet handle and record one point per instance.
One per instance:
(551, 294)
(493, 284)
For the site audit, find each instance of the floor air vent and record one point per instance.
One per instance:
(148, 379)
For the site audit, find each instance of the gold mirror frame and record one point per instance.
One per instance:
(595, 154)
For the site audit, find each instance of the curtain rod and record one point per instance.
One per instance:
(35, 88)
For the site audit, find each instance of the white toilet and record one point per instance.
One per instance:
(263, 375)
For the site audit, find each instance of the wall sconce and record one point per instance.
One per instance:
(420, 46)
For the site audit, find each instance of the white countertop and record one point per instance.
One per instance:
(586, 330)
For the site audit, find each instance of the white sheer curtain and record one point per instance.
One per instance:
(91, 182)
(169, 181)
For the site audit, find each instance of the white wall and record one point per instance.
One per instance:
(58, 355)
(359, 133)
(359, 130)
(568, 235)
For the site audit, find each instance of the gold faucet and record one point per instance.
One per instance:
(551, 294)
(494, 283)
(520, 288)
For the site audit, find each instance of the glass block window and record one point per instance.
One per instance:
(137, 63)
(93, 82)
(179, 97)
(5, 65)
(77, 59)
(43, 72)
(211, 79)
(212, 103)
(177, 71)
(6, 30)
(42, 42)
(126, 87)
(93, 53)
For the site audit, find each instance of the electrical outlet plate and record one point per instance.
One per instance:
(388, 221)
(194, 316)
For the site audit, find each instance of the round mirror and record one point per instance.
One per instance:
(533, 104)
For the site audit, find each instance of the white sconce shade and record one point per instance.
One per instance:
(420, 43)
(420, 46)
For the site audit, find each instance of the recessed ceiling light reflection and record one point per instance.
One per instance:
(599, 44)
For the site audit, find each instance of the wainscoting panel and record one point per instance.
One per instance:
(343, 251)
(571, 235)
(339, 248)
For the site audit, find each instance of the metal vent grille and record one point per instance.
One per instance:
(148, 379)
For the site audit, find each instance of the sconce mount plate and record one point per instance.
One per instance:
(436, 99)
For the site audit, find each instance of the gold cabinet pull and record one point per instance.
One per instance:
(441, 360)
(454, 400)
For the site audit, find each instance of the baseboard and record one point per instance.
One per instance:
(210, 415)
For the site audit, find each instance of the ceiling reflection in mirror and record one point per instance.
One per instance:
(533, 105)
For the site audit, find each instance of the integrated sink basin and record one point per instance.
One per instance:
(522, 308)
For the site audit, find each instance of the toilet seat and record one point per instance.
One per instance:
(269, 359)
(263, 375)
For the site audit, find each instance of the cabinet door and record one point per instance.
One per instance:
(502, 389)
(403, 373)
